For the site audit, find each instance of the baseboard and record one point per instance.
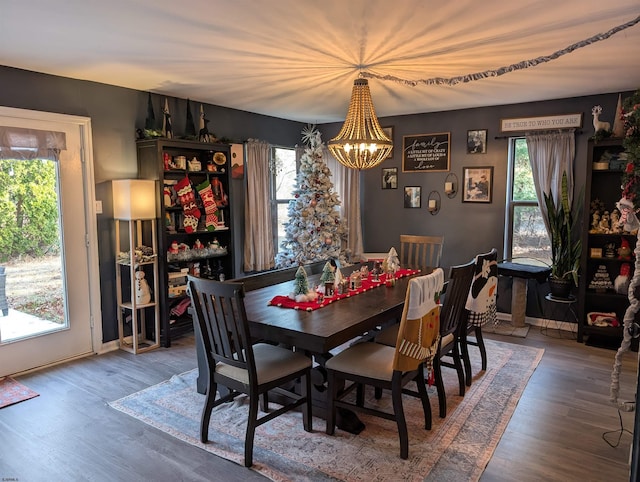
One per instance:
(541, 322)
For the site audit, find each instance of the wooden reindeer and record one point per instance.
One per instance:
(597, 123)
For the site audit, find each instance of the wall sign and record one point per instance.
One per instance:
(426, 152)
(564, 121)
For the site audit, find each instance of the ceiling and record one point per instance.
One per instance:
(297, 59)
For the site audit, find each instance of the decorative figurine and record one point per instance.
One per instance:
(143, 293)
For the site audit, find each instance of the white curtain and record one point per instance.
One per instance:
(24, 143)
(347, 184)
(550, 155)
(259, 253)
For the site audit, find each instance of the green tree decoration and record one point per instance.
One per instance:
(150, 121)
(315, 231)
(190, 127)
(328, 273)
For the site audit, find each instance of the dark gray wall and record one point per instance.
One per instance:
(115, 114)
(468, 228)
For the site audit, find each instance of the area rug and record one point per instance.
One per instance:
(457, 448)
(12, 392)
(506, 328)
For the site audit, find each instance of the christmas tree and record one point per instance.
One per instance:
(315, 231)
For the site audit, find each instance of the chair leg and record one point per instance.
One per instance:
(483, 351)
(464, 353)
(377, 393)
(457, 363)
(331, 396)
(206, 411)
(265, 402)
(424, 398)
(396, 396)
(251, 430)
(307, 416)
(442, 397)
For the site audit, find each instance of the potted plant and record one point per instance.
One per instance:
(565, 251)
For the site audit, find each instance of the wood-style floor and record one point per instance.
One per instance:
(69, 433)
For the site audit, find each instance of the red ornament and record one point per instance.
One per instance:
(629, 167)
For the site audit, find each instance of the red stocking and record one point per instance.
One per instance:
(188, 201)
(210, 207)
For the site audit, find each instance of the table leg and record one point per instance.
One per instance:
(518, 301)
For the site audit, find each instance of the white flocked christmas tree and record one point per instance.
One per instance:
(315, 231)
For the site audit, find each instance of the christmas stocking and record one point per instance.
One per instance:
(188, 201)
(210, 206)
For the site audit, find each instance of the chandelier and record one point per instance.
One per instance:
(361, 143)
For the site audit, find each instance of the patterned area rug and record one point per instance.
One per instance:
(12, 392)
(457, 448)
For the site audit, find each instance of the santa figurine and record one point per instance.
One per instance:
(198, 245)
(621, 283)
(624, 251)
(174, 248)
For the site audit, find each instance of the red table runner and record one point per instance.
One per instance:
(367, 284)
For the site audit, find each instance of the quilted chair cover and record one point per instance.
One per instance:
(419, 330)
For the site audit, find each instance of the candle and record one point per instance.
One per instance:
(448, 187)
(432, 204)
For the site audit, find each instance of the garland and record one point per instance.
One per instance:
(524, 64)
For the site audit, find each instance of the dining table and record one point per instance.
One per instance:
(318, 331)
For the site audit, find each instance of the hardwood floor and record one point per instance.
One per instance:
(70, 433)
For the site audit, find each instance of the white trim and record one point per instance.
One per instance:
(84, 124)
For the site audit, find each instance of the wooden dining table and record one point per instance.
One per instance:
(319, 331)
(328, 327)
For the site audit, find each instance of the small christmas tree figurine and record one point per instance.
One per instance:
(301, 290)
(315, 231)
(328, 273)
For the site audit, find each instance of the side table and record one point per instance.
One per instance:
(521, 273)
(559, 308)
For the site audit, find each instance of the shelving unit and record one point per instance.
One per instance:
(175, 163)
(599, 249)
(138, 322)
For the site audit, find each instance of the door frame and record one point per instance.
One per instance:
(89, 196)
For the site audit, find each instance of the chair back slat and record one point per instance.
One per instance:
(220, 313)
(420, 252)
(453, 313)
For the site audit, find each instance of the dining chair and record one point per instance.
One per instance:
(420, 252)
(391, 368)
(453, 325)
(234, 362)
(481, 306)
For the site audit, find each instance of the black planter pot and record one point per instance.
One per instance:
(560, 288)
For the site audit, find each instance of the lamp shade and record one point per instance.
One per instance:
(361, 143)
(134, 199)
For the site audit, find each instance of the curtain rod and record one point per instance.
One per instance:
(524, 133)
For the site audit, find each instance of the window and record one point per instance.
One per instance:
(526, 237)
(283, 182)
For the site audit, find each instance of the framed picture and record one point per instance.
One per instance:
(426, 152)
(389, 132)
(412, 196)
(389, 178)
(477, 184)
(477, 142)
